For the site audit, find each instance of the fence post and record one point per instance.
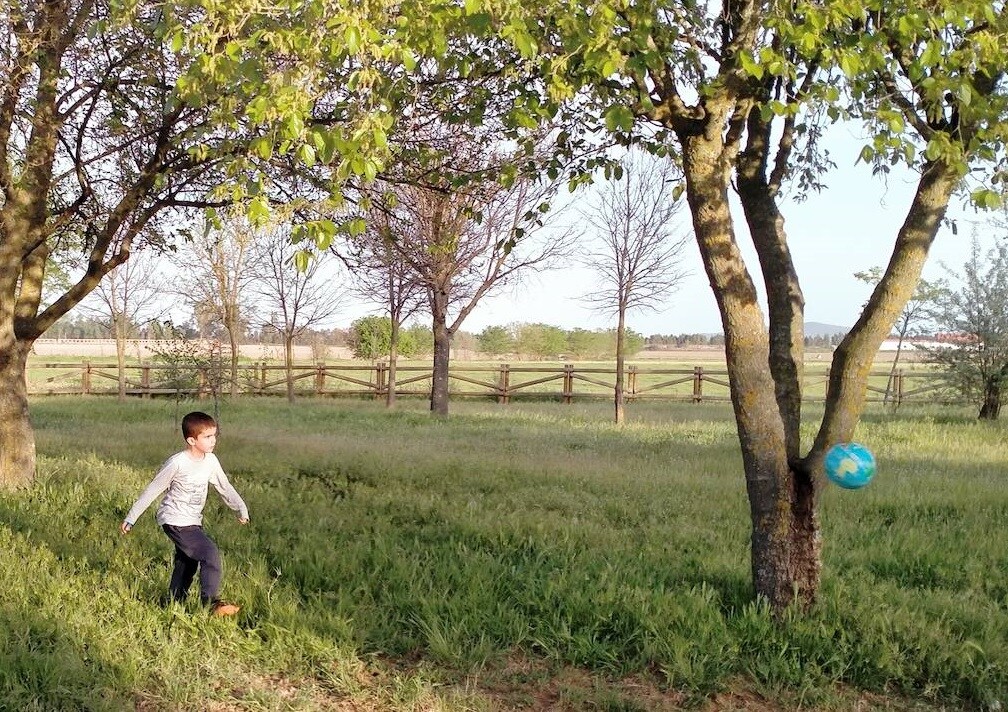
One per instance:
(145, 381)
(203, 380)
(503, 383)
(86, 377)
(898, 389)
(698, 384)
(381, 379)
(262, 377)
(631, 381)
(320, 372)
(568, 383)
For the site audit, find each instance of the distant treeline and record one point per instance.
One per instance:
(677, 341)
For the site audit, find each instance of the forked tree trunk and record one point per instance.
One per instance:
(785, 529)
(17, 456)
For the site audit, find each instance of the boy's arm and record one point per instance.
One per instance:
(230, 496)
(158, 485)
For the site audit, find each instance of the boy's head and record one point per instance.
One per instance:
(196, 423)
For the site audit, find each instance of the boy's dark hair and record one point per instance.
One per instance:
(193, 424)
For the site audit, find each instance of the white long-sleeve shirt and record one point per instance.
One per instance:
(186, 481)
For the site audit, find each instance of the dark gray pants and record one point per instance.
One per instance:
(193, 548)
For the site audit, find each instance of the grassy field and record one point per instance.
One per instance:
(532, 556)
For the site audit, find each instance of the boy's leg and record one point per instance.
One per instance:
(193, 542)
(182, 575)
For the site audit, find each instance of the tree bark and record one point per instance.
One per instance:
(442, 354)
(758, 190)
(17, 456)
(991, 407)
(785, 538)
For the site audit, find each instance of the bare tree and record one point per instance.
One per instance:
(294, 295)
(128, 296)
(381, 274)
(640, 253)
(215, 273)
(464, 233)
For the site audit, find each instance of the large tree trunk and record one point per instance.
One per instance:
(442, 354)
(758, 187)
(17, 439)
(991, 407)
(618, 397)
(776, 496)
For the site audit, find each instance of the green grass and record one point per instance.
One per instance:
(396, 561)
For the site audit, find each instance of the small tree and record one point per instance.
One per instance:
(541, 341)
(370, 336)
(495, 341)
(976, 318)
(464, 230)
(638, 260)
(297, 294)
(216, 271)
(380, 273)
(129, 296)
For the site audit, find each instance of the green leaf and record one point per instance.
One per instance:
(352, 39)
(619, 118)
(356, 227)
(986, 198)
(258, 211)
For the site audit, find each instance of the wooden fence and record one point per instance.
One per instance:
(503, 383)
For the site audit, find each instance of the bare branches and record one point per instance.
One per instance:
(640, 244)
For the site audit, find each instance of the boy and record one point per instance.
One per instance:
(185, 476)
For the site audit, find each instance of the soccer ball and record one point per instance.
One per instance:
(850, 465)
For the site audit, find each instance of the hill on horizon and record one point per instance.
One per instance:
(817, 328)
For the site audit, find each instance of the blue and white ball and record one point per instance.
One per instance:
(850, 465)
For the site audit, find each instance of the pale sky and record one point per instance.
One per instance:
(847, 228)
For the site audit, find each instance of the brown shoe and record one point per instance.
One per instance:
(221, 609)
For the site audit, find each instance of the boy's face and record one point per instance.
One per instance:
(204, 442)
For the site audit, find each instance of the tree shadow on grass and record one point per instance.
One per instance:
(45, 666)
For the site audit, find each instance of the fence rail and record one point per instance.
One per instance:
(502, 383)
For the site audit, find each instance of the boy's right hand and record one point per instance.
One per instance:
(125, 527)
